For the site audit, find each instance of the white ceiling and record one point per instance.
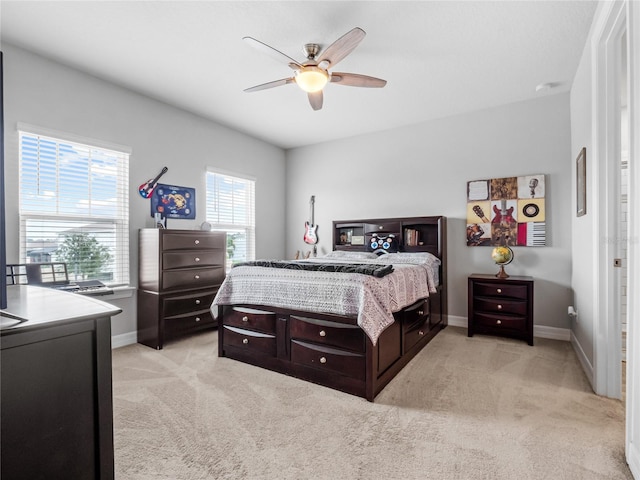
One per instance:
(440, 58)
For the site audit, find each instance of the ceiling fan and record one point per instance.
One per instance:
(312, 75)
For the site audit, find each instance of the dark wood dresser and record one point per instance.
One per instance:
(501, 306)
(180, 272)
(55, 386)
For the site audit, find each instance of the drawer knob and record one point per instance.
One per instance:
(323, 333)
(499, 290)
(323, 360)
(245, 319)
(197, 302)
(197, 319)
(421, 333)
(245, 340)
(197, 277)
(197, 242)
(421, 312)
(499, 307)
(197, 259)
(498, 322)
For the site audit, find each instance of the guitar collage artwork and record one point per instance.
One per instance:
(506, 211)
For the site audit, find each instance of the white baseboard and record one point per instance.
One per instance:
(540, 331)
(124, 339)
(584, 361)
(633, 459)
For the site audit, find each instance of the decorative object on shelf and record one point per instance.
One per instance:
(506, 211)
(581, 183)
(502, 255)
(161, 222)
(205, 226)
(174, 202)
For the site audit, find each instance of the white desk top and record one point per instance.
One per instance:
(31, 307)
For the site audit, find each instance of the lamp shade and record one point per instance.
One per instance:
(311, 79)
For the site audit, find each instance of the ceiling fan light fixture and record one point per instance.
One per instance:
(311, 79)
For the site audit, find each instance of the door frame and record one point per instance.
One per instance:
(612, 19)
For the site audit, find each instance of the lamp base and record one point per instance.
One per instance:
(502, 273)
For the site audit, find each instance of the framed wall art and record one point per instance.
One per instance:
(506, 211)
(171, 201)
(581, 183)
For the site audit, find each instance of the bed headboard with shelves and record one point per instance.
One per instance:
(410, 234)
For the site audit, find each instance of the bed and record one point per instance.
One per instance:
(350, 319)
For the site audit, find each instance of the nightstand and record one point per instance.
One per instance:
(501, 306)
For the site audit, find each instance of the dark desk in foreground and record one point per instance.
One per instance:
(55, 374)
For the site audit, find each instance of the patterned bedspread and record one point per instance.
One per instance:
(370, 299)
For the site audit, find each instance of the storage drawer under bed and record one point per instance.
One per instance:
(342, 362)
(340, 335)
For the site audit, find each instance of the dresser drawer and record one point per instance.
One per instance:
(192, 278)
(500, 290)
(184, 323)
(339, 335)
(195, 258)
(250, 318)
(330, 359)
(177, 305)
(261, 343)
(189, 240)
(500, 305)
(507, 322)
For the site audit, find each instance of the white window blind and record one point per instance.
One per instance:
(74, 207)
(231, 208)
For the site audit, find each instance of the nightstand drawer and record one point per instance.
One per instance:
(339, 335)
(482, 289)
(500, 321)
(252, 319)
(500, 305)
(326, 358)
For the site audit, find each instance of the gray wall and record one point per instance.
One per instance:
(40, 92)
(584, 245)
(423, 170)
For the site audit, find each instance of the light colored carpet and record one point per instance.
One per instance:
(464, 408)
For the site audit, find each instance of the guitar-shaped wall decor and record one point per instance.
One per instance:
(478, 211)
(146, 189)
(503, 214)
(310, 228)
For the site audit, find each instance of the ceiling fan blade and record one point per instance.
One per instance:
(275, 83)
(357, 80)
(276, 54)
(341, 47)
(315, 99)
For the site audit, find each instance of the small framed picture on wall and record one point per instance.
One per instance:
(581, 183)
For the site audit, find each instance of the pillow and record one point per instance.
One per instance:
(415, 258)
(350, 255)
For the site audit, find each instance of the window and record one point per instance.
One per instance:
(74, 207)
(231, 208)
